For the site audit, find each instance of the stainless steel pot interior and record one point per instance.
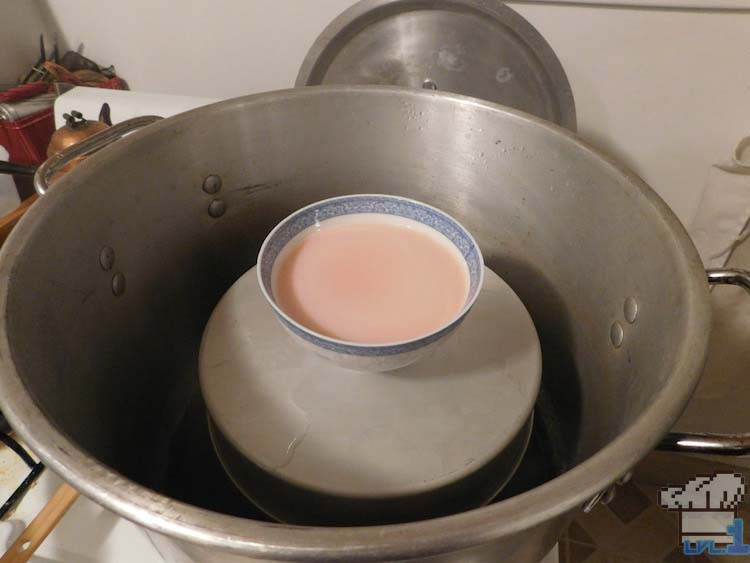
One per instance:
(99, 383)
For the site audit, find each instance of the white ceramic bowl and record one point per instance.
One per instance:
(363, 356)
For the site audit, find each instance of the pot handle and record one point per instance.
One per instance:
(86, 147)
(713, 444)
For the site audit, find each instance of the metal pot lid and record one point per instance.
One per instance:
(364, 435)
(476, 48)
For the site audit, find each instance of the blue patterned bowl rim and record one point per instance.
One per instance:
(399, 206)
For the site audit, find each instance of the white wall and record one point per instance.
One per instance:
(663, 91)
(666, 92)
(211, 48)
(21, 22)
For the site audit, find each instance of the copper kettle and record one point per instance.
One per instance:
(75, 130)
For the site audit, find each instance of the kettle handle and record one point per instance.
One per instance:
(703, 443)
(88, 146)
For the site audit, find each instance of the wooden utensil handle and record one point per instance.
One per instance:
(41, 526)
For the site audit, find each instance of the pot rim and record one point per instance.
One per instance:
(189, 523)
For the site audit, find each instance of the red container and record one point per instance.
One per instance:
(26, 139)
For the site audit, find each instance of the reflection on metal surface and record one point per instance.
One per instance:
(737, 277)
(471, 47)
(713, 444)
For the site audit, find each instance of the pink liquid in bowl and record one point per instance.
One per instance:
(370, 278)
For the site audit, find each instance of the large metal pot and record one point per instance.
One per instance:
(106, 284)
